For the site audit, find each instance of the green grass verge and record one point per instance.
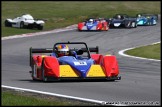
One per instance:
(150, 51)
(12, 98)
(64, 13)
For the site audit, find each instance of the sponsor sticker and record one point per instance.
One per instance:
(80, 63)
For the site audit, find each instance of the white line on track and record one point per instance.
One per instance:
(63, 96)
(121, 52)
(72, 27)
(54, 94)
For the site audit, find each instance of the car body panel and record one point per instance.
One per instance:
(97, 25)
(124, 22)
(147, 19)
(96, 71)
(49, 67)
(27, 20)
(67, 71)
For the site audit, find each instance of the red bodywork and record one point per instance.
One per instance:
(51, 65)
(101, 26)
(108, 63)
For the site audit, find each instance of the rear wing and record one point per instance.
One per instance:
(50, 50)
(41, 19)
(38, 50)
(91, 49)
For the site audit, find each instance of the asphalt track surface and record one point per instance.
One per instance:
(140, 79)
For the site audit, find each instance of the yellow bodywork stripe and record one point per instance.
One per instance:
(96, 71)
(67, 71)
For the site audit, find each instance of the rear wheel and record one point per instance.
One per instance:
(33, 72)
(128, 24)
(133, 24)
(40, 27)
(7, 24)
(42, 69)
(79, 30)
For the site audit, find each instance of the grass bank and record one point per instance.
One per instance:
(150, 51)
(64, 13)
(15, 98)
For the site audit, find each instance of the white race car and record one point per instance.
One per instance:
(25, 21)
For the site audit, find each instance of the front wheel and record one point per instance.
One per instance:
(21, 25)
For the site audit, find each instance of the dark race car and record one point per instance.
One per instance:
(76, 62)
(122, 21)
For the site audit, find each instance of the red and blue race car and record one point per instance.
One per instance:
(53, 64)
(93, 24)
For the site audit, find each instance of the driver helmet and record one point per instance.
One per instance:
(91, 20)
(119, 17)
(138, 15)
(148, 16)
(62, 50)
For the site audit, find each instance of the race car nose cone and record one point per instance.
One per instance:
(89, 26)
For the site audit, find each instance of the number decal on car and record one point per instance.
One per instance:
(80, 63)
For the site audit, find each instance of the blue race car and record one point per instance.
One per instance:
(147, 19)
(75, 62)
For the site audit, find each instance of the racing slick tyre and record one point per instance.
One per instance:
(128, 24)
(32, 72)
(133, 24)
(40, 27)
(79, 30)
(30, 26)
(21, 25)
(7, 24)
(42, 69)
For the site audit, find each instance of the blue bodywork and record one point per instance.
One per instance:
(90, 25)
(80, 64)
(149, 20)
